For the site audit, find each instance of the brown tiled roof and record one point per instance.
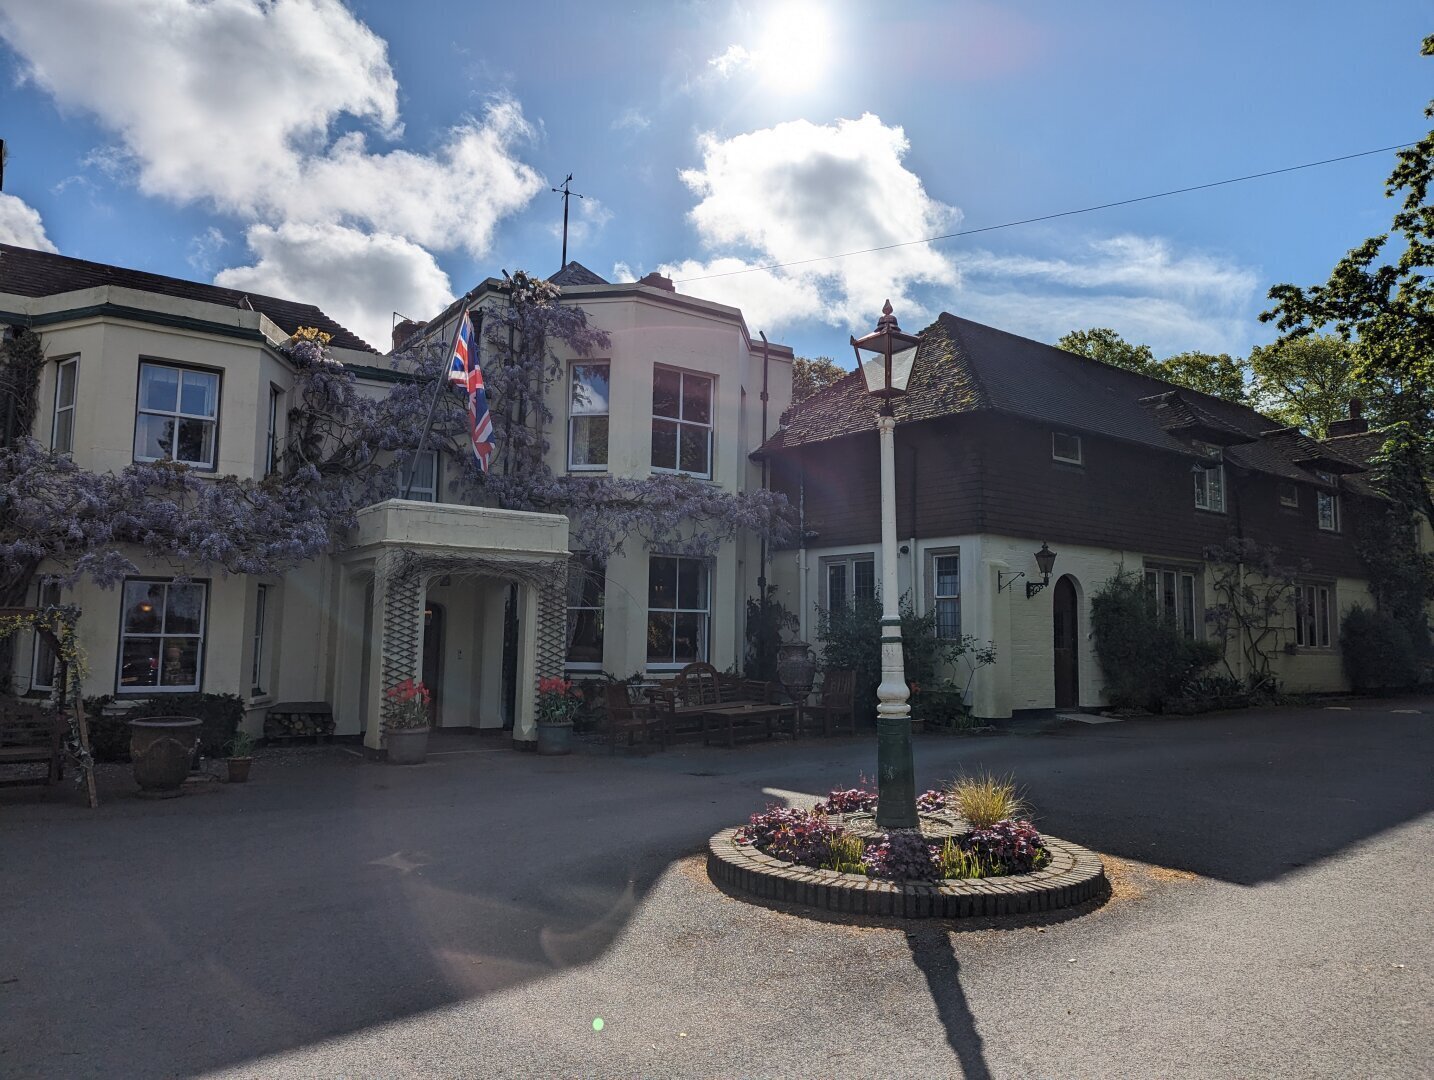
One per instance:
(575, 273)
(26, 272)
(1360, 446)
(963, 367)
(1175, 412)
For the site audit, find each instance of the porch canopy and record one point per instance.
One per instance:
(405, 544)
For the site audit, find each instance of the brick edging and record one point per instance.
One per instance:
(1073, 876)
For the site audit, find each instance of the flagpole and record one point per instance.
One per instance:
(442, 384)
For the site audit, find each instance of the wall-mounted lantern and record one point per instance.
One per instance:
(1045, 562)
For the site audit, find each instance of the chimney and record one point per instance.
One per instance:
(657, 281)
(1355, 424)
(405, 330)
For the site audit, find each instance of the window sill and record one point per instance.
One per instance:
(707, 477)
(1069, 463)
(588, 469)
(1205, 510)
(156, 691)
(260, 700)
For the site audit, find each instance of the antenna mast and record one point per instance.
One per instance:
(566, 194)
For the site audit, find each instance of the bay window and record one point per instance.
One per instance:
(62, 432)
(178, 415)
(682, 422)
(588, 415)
(679, 610)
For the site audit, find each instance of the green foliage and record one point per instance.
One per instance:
(767, 618)
(1145, 659)
(814, 374)
(1378, 651)
(22, 359)
(954, 861)
(845, 855)
(1305, 382)
(242, 745)
(1401, 577)
(1219, 375)
(1254, 593)
(1104, 344)
(850, 637)
(984, 799)
(219, 714)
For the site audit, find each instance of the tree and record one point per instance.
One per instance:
(811, 375)
(1103, 344)
(1305, 382)
(1219, 375)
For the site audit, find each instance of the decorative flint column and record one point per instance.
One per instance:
(895, 768)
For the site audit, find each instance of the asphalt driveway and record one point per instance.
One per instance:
(1270, 916)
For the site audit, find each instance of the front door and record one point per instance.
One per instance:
(433, 659)
(1065, 625)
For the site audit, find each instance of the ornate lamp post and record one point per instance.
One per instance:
(887, 372)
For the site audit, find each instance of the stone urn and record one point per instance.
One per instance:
(796, 669)
(406, 746)
(161, 748)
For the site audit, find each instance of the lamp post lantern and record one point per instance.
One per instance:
(887, 372)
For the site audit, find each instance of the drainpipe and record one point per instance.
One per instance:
(762, 556)
(802, 547)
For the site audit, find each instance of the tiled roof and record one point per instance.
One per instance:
(575, 273)
(963, 367)
(27, 272)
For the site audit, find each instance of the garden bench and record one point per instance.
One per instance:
(698, 689)
(626, 717)
(32, 733)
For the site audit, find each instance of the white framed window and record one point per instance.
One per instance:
(1174, 593)
(427, 478)
(62, 431)
(944, 572)
(261, 620)
(1289, 494)
(682, 422)
(1066, 448)
(588, 404)
(849, 578)
(1327, 507)
(43, 660)
(587, 600)
(178, 415)
(1313, 616)
(1210, 485)
(679, 610)
(161, 635)
(271, 438)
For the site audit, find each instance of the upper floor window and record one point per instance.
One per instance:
(1312, 616)
(178, 415)
(587, 591)
(1210, 481)
(946, 593)
(681, 422)
(271, 437)
(679, 608)
(62, 434)
(162, 635)
(1173, 593)
(43, 661)
(588, 415)
(427, 476)
(1066, 448)
(1327, 504)
(849, 578)
(1289, 494)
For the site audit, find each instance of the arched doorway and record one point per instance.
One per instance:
(1065, 623)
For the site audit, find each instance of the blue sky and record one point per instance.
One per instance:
(378, 156)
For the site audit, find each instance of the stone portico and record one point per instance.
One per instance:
(402, 553)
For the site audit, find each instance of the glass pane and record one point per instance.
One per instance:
(659, 638)
(65, 431)
(590, 389)
(180, 665)
(158, 388)
(661, 582)
(423, 467)
(589, 440)
(1217, 488)
(836, 586)
(692, 585)
(139, 662)
(185, 611)
(695, 444)
(1187, 605)
(689, 644)
(948, 618)
(664, 444)
(697, 399)
(143, 607)
(200, 394)
(1322, 618)
(153, 436)
(585, 637)
(666, 393)
(863, 575)
(65, 390)
(948, 575)
(196, 442)
(1167, 596)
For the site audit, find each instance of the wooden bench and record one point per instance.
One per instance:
(699, 688)
(32, 733)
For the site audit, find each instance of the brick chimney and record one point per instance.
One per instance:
(1355, 424)
(657, 281)
(405, 330)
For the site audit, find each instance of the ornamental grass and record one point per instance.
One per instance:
(985, 799)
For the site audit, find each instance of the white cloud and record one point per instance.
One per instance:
(801, 191)
(357, 278)
(734, 59)
(204, 249)
(20, 225)
(233, 103)
(632, 119)
(588, 218)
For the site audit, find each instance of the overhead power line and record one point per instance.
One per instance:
(1053, 217)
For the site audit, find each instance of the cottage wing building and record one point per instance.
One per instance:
(1003, 444)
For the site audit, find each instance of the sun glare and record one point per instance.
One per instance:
(794, 50)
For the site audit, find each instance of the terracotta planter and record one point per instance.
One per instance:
(161, 748)
(239, 769)
(406, 746)
(555, 738)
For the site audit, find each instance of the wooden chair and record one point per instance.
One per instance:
(31, 732)
(836, 701)
(630, 718)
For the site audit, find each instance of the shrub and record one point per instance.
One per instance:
(1379, 653)
(954, 861)
(850, 638)
(986, 799)
(792, 835)
(1145, 660)
(1007, 847)
(847, 801)
(931, 802)
(904, 855)
(767, 618)
(846, 853)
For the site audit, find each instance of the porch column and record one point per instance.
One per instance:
(544, 645)
(398, 621)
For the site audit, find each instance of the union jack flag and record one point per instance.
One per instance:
(465, 371)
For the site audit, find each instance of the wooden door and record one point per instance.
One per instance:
(433, 659)
(1065, 623)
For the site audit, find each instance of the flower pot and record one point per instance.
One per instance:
(555, 737)
(161, 748)
(796, 669)
(406, 746)
(239, 769)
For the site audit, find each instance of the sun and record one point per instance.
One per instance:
(793, 51)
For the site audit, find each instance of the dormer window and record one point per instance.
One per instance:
(1210, 480)
(1066, 448)
(1289, 494)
